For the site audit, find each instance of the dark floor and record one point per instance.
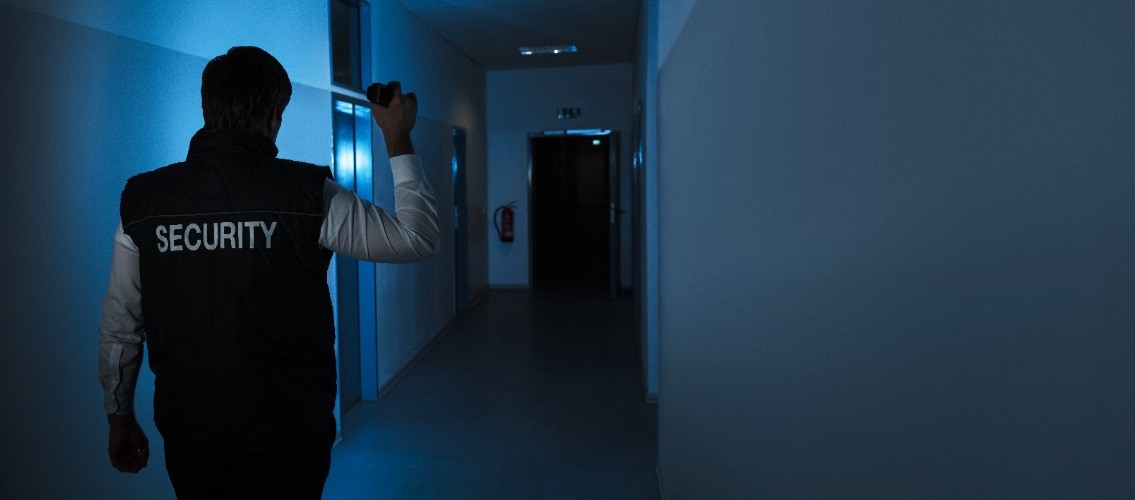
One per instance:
(532, 394)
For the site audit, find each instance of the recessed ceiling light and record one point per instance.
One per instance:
(548, 49)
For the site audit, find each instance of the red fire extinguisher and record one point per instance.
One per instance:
(504, 226)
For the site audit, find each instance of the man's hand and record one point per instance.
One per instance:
(397, 120)
(129, 449)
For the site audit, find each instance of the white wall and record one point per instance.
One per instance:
(89, 104)
(416, 302)
(452, 92)
(896, 250)
(670, 18)
(71, 139)
(523, 102)
(207, 28)
(646, 279)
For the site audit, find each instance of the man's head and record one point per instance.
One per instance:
(245, 89)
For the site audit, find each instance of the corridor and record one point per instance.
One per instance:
(532, 394)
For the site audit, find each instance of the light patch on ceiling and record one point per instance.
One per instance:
(549, 49)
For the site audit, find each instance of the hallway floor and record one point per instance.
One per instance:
(532, 394)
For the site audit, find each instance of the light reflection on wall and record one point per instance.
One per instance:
(353, 170)
(344, 166)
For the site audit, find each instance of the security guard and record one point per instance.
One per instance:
(220, 266)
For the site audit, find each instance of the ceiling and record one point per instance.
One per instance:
(491, 31)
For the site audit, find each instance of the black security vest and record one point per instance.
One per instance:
(236, 308)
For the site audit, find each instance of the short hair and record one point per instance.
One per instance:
(241, 89)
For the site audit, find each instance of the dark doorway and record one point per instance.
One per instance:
(570, 220)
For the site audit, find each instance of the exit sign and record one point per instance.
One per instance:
(568, 113)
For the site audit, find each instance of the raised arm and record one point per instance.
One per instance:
(396, 120)
(356, 228)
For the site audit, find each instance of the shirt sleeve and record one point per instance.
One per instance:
(120, 332)
(356, 228)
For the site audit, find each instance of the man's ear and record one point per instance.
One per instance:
(275, 120)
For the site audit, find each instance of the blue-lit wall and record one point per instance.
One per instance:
(72, 136)
(418, 300)
(644, 156)
(94, 92)
(897, 250)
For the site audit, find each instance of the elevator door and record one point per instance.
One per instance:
(353, 280)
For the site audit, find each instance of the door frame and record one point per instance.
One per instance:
(351, 280)
(460, 219)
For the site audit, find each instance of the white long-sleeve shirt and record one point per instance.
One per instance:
(351, 226)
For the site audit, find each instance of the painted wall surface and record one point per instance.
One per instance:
(89, 104)
(671, 16)
(416, 302)
(523, 102)
(207, 28)
(896, 250)
(67, 153)
(646, 184)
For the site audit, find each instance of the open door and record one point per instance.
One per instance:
(573, 219)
